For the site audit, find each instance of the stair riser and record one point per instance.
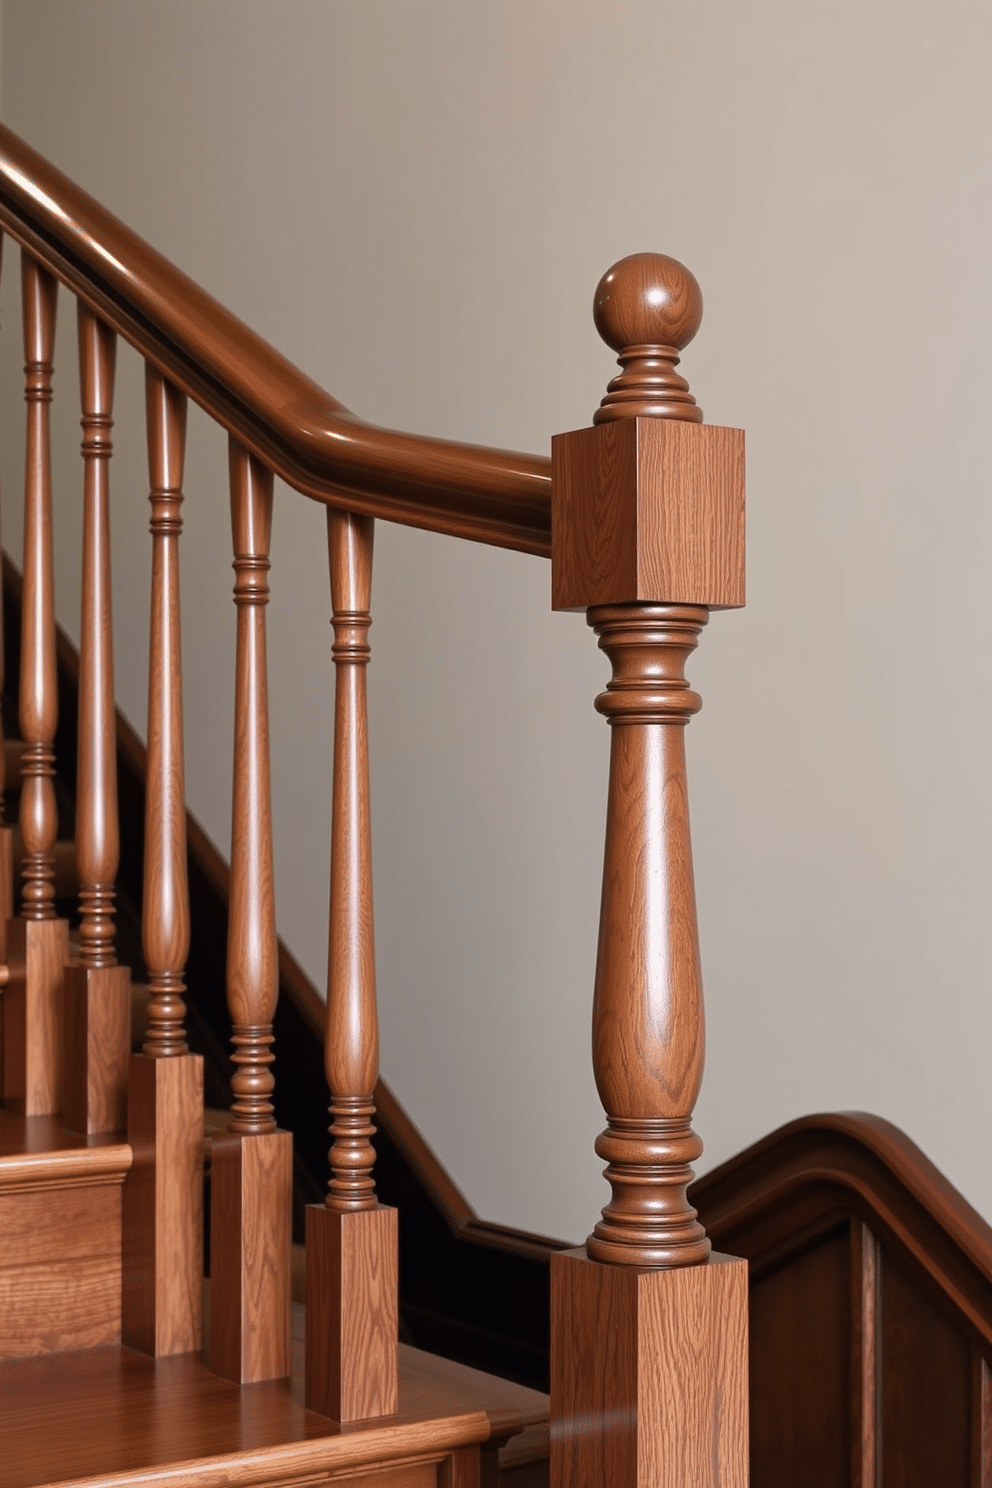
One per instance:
(60, 1269)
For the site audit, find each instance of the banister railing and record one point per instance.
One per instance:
(279, 414)
(642, 516)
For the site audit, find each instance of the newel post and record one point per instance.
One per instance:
(649, 1327)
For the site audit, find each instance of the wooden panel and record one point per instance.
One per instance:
(60, 1270)
(352, 1320)
(926, 1406)
(163, 1206)
(866, 1356)
(628, 1349)
(251, 1179)
(32, 1007)
(981, 1423)
(95, 1052)
(801, 1370)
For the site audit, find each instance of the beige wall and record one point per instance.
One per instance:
(414, 201)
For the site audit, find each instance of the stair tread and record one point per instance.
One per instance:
(118, 1416)
(38, 1151)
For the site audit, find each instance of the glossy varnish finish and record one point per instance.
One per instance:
(163, 1197)
(352, 1284)
(6, 845)
(39, 694)
(251, 1171)
(301, 433)
(97, 990)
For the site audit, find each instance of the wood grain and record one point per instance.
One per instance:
(37, 1153)
(111, 1416)
(648, 1002)
(648, 510)
(163, 1206)
(648, 307)
(351, 1046)
(252, 955)
(352, 1312)
(95, 1047)
(37, 951)
(649, 1375)
(981, 1423)
(60, 1269)
(251, 1187)
(38, 701)
(165, 903)
(97, 833)
(285, 419)
(866, 1361)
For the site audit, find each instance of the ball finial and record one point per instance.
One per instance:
(648, 307)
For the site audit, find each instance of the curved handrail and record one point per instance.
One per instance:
(303, 434)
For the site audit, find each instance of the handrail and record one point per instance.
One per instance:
(300, 432)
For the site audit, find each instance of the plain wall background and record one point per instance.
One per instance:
(414, 202)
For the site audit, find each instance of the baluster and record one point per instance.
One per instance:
(37, 942)
(251, 1170)
(97, 990)
(352, 1309)
(647, 536)
(163, 1195)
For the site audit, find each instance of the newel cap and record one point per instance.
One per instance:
(648, 505)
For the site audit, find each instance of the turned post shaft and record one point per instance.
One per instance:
(351, 1049)
(165, 901)
(252, 952)
(38, 712)
(97, 834)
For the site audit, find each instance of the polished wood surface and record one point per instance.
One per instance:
(648, 1034)
(114, 1417)
(97, 835)
(251, 1190)
(648, 307)
(38, 711)
(165, 903)
(352, 1312)
(352, 1257)
(252, 957)
(351, 1048)
(648, 509)
(284, 418)
(163, 1206)
(97, 1039)
(37, 951)
(39, 1153)
(648, 1375)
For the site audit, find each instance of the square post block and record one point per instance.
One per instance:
(163, 1206)
(352, 1313)
(647, 510)
(649, 1385)
(37, 951)
(251, 1197)
(96, 1048)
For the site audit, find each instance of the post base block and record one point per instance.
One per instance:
(251, 1198)
(163, 1206)
(96, 1048)
(649, 1384)
(352, 1315)
(37, 951)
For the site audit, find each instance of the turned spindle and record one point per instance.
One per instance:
(252, 1163)
(165, 900)
(351, 1044)
(163, 1193)
(647, 536)
(37, 943)
(252, 952)
(97, 837)
(97, 990)
(352, 1267)
(38, 711)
